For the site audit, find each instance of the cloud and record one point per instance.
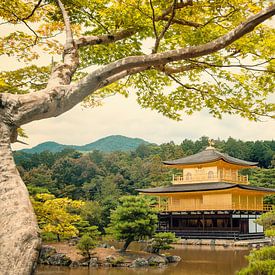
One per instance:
(124, 116)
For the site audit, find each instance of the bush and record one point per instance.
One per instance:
(162, 241)
(265, 253)
(261, 262)
(266, 267)
(86, 244)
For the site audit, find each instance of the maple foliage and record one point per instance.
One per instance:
(55, 215)
(238, 79)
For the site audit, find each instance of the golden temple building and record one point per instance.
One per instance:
(210, 199)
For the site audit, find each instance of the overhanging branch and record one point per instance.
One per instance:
(58, 99)
(188, 52)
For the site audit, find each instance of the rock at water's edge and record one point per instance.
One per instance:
(139, 262)
(93, 262)
(48, 255)
(157, 260)
(173, 259)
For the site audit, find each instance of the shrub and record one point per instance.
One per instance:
(162, 241)
(266, 267)
(261, 262)
(265, 253)
(86, 244)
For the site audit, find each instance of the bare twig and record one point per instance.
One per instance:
(247, 66)
(33, 11)
(33, 31)
(153, 19)
(166, 27)
(183, 22)
(97, 21)
(22, 142)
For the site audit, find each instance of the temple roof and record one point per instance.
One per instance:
(210, 154)
(203, 187)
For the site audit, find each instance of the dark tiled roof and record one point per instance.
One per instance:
(209, 155)
(202, 187)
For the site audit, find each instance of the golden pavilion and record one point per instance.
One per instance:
(210, 199)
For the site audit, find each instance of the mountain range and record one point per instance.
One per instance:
(106, 144)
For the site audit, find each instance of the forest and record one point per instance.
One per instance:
(85, 187)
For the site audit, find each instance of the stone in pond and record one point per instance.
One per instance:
(157, 260)
(139, 262)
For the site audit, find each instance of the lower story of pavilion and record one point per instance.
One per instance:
(237, 225)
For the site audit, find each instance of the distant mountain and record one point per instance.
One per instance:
(107, 144)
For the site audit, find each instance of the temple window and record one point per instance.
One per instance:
(188, 176)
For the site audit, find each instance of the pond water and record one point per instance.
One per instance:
(196, 260)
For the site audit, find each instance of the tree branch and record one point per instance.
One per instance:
(243, 66)
(172, 9)
(104, 39)
(121, 75)
(62, 73)
(188, 52)
(96, 20)
(177, 6)
(33, 11)
(153, 19)
(57, 99)
(166, 27)
(167, 69)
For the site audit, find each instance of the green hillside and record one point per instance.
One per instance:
(107, 144)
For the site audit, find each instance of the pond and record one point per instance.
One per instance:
(196, 260)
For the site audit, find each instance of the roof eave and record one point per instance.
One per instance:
(252, 165)
(243, 187)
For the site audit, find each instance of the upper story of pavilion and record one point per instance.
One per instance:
(208, 166)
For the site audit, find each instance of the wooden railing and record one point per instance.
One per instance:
(179, 179)
(209, 207)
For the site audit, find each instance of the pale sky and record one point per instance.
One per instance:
(121, 116)
(124, 116)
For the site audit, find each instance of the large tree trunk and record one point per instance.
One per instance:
(19, 240)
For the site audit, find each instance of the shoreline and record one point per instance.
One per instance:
(226, 243)
(64, 254)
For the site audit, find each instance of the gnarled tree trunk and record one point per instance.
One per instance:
(19, 241)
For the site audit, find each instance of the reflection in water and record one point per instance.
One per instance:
(196, 260)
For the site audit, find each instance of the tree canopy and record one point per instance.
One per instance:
(211, 54)
(133, 220)
(120, 173)
(54, 215)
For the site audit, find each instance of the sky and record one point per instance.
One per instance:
(123, 116)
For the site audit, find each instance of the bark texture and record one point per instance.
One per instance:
(19, 241)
